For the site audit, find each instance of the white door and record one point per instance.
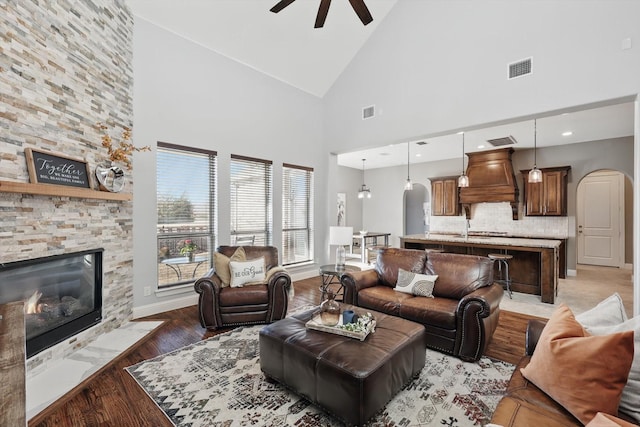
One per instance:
(600, 215)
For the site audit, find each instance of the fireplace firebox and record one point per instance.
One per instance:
(62, 295)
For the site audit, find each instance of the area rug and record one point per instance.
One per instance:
(218, 382)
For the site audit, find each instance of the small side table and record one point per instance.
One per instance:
(329, 273)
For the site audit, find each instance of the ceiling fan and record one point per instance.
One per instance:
(358, 5)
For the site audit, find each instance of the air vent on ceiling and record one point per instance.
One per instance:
(368, 112)
(421, 143)
(501, 142)
(520, 68)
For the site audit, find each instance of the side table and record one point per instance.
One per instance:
(329, 273)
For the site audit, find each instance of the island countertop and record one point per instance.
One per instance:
(489, 240)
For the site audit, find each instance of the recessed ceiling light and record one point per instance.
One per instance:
(418, 155)
(384, 154)
(480, 146)
(567, 133)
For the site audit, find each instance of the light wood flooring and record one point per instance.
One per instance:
(112, 398)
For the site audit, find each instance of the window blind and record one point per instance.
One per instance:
(297, 214)
(251, 201)
(186, 224)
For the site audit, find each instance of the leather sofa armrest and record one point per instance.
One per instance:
(534, 329)
(477, 316)
(279, 285)
(354, 281)
(208, 286)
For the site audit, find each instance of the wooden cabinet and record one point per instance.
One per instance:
(444, 196)
(549, 197)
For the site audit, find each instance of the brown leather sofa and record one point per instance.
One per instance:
(220, 306)
(462, 316)
(524, 404)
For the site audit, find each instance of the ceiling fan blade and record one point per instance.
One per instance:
(281, 5)
(322, 13)
(362, 11)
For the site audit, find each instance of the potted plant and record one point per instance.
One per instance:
(188, 249)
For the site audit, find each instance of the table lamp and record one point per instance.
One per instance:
(340, 236)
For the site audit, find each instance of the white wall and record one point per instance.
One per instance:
(436, 66)
(185, 94)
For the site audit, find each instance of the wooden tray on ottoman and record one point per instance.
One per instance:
(316, 324)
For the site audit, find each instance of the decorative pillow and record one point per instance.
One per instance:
(606, 420)
(247, 272)
(221, 263)
(631, 392)
(608, 312)
(583, 373)
(415, 284)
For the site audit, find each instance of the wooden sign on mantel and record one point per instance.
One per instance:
(46, 167)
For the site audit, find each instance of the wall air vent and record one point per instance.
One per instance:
(368, 112)
(501, 142)
(520, 68)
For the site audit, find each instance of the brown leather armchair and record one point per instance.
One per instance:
(221, 306)
(462, 316)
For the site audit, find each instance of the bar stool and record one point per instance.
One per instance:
(503, 260)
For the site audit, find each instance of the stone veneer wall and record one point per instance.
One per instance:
(64, 66)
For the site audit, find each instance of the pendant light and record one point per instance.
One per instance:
(463, 179)
(409, 185)
(364, 192)
(535, 174)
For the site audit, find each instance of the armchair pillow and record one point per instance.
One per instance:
(221, 263)
(415, 283)
(247, 272)
(583, 373)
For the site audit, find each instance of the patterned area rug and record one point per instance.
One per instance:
(218, 382)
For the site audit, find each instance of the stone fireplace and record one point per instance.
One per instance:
(62, 295)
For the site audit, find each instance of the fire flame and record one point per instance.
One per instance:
(31, 305)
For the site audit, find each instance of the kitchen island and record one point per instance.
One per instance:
(535, 266)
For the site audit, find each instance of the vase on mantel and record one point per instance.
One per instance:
(191, 256)
(330, 310)
(110, 177)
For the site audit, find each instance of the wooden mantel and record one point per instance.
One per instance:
(61, 191)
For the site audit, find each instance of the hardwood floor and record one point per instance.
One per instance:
(112, 398)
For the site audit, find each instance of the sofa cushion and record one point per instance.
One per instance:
(629, 401)
(383, 299)
(608, 312)
(584, 388)
(415, 283)
(391, 259)
(440, 312)
(458, 275)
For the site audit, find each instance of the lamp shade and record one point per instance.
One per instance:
(340, 235)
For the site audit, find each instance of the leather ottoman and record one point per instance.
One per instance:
(348, 378)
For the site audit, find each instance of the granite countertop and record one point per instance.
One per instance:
(487, 240)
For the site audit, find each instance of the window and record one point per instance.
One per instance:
(186, 225)
(297, 214)
(251, 201)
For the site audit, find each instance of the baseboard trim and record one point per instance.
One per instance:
(161, 307)
(571, 272)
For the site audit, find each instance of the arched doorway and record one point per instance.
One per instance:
(601, 220)
(416, 204)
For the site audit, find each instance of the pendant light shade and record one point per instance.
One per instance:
(535, 174)
(463, 179)
(408, 185)
(364, 192)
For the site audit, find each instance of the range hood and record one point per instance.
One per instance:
(491, 179)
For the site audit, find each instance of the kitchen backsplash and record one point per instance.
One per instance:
(496, 217)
